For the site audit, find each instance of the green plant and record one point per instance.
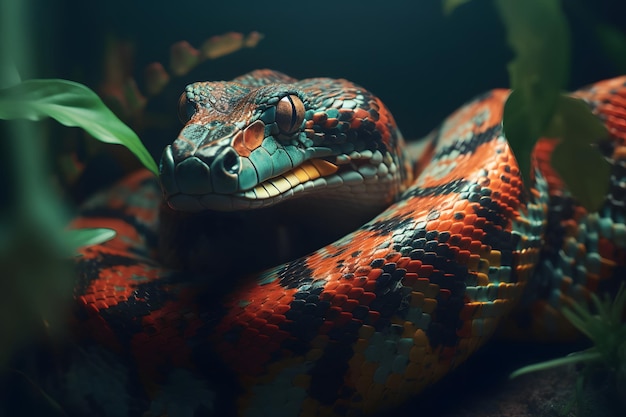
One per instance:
(538, 34)
(604, 326)
(34, 241)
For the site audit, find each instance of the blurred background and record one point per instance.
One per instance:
(421, 63)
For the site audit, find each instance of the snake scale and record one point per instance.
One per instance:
(425, 250)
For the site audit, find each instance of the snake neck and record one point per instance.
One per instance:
(218, 244)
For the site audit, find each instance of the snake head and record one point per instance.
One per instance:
(264, 138)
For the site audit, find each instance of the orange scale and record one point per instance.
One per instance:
(363, 270)
(465, 243)
(470, 311)
(444, 225)
(332, 122)
(343, 288)
(331, 286)
(350, 305)
(410, 278)
(462, 257)
(367, 298)
(394, 257)
(111, 301)
(355, 293)
(359, 282)
(361, 114)
(355, 123)
(403, 262)
(88, 298)
(617, 125)
(265, 313)
(414, 265)
(370, 286)
(470, 219)
(480, 223)
(380, 253)
(612, 110)
(281, 309)
(374, 274)
(467, 231)
(327, 295)
(273, 297)
(433, 225)
(478, 234)
(456, 228)
(343, 319)
(425, 271)
(339, 299)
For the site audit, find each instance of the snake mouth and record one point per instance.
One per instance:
(304, 177)
(309, 175)
(338, 176)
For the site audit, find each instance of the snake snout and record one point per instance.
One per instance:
(200, 174)
(189, 175)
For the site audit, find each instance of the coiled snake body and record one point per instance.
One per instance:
(367, 321)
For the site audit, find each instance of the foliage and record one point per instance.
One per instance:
(71, 104)
(34, 291)
(606, 329)
(538, 34)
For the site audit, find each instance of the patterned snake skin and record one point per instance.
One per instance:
(452, 244)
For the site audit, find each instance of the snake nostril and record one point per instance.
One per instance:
(230, 162)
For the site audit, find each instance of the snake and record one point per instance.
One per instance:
(296, 257)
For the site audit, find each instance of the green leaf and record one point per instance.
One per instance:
(580, 321)
(618, 305)
(71, 104)
(450, 6)
(516, 126)
(8, 74)
(77, 238)
(538, 34)
(581, 166)
(586, 356)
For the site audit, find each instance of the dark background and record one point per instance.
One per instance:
(421, 63)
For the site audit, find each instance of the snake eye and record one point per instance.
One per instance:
(186, 108)
(289, 114)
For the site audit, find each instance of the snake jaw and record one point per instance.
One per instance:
(347, 174)
(197, 194)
